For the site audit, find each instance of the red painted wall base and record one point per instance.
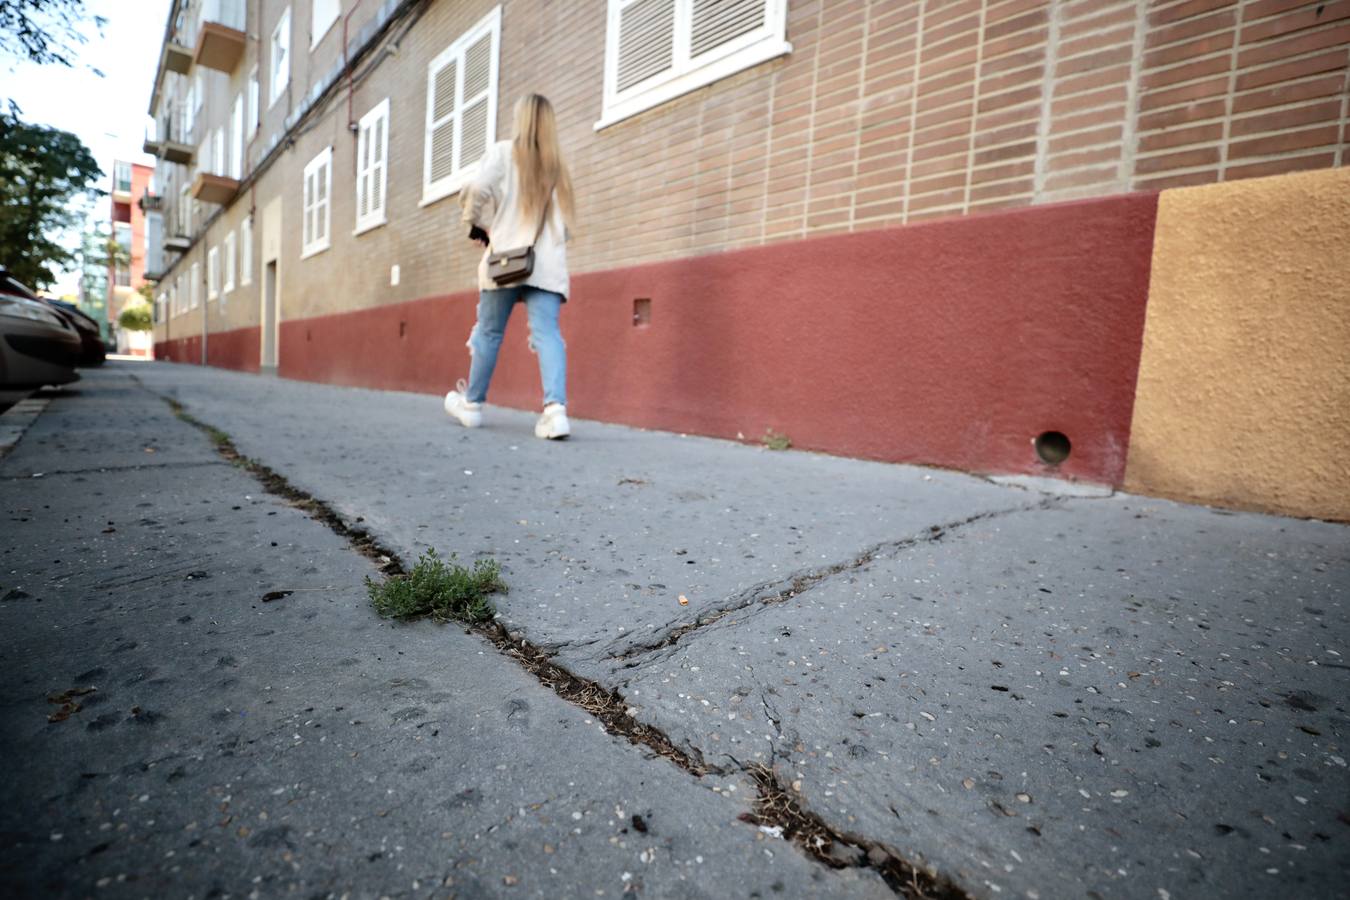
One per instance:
(951, 343)
(237, 349)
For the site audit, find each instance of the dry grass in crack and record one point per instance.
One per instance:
(782, 807)
(608, 706)
(445, 591)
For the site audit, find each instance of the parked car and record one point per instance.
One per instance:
(93, 352)
(37, 346)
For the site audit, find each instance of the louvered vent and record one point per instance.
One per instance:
(646, 40)
(717, 22)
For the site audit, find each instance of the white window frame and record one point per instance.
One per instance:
(254, 111)
(318, 28)
(374, 217)
(195, 287)
(279, 74)
(452, 183)
(231, 257)
(246, 251)
(687, 74)
(311, 206)
(213, 273)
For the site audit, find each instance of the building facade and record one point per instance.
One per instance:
(136, 230)
(913, 230)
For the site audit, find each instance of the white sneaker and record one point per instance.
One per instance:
(470, 415)
(553, 425)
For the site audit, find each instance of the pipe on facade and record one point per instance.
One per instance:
(346, 66)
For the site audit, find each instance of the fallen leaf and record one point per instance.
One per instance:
(684, 601)
(275, 595)
(509, 880)
(968, 783)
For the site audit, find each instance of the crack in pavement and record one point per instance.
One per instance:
(770, 593)
(820, 841)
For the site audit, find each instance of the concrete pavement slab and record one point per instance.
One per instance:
(1114, 698)
(240, 746)
(952, 737)
(599, 536)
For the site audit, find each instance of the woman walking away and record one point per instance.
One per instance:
(525, 184)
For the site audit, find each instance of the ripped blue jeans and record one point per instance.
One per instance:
(494, 310)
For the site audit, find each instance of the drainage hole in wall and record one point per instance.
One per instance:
(642, 312)
(1052, 447)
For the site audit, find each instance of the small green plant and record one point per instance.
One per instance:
(137, 318)
(772, 440)
(439, 589)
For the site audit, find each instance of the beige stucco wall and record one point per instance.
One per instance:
(1244, 381)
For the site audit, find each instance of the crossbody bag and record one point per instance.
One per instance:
(510, 266)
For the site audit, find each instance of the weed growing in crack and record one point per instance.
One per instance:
(444, 591)
(773, 440)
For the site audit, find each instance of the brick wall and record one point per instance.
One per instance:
(887, 112)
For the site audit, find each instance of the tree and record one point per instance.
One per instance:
(43, 31)
(41, 170)
(138, 317)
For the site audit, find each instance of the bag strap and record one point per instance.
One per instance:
(543, 218)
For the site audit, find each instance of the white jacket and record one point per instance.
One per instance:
(495, 185)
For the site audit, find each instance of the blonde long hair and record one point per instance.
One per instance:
(538, 158)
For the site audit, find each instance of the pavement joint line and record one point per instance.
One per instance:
(764, 593)
(807, 831)
(102, 469)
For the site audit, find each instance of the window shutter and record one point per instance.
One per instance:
(363, 174)
(474, 119)
(717, 22)
(646, 41)
(376, 176)
(443, 121)
(321, 202)
(307, 230)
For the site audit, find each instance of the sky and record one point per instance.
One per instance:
(110, 114)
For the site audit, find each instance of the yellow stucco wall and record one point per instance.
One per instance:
(1244, 381)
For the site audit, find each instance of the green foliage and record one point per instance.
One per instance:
(772, 440)
(440, 590)
(41, 171)
(43, 31)
(137, 318)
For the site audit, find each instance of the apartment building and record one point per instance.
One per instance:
(905, 229)
(136, 229)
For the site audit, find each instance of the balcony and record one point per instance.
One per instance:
(170, 151)
(220, 35)
(175, 58)
(210, 188)
(178, 243)
(170, 142)
(151, 202)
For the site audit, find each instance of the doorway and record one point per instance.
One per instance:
(268, 363)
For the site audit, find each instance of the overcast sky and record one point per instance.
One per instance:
(110, 113)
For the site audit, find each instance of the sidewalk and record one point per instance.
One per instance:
(1036, 695)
